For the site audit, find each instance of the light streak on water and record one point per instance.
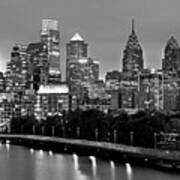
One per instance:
(50, 153)
(112, 164)
(76, 161)
(41, 152)
(7, 146)
(129, 171)
(94, 165)
(32, 150)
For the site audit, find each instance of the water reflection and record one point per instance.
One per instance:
(20, 164)
(112, 165)
(76, 162)
(94, 166)
(7, 147)
(41, 153)
(50, 153)
(129, 171)
(31, 150)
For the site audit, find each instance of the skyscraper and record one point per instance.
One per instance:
(171, 61)
(133, 55)
(17, 70)
(76, 49)
(80, 69)
(51, 37)
(37, 56)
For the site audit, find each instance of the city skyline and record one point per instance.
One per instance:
(105, 26)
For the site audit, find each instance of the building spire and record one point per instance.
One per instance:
(133, 26)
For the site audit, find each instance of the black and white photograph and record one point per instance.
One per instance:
(89, 89)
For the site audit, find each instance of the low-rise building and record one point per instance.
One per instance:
(113, 80)
(51, 100)
(6, 109)
(150, 90)
(171, 91)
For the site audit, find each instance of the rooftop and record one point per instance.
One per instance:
(53, 89)
(77, 37)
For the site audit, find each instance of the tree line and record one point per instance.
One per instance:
(137, 129)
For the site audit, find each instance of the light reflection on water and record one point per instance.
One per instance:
(94, 166)
(129, 171)
(112, 165)
(50, 153)
(76, 163)
(30, 164)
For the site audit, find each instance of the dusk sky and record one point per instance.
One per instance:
(104, 24)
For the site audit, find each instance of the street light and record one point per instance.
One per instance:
(155, 140)
(131, 138)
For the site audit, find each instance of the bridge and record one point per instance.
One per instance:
(111, 150)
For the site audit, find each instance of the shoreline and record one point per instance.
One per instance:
(154, 158)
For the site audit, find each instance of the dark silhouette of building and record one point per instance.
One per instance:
(132, 55)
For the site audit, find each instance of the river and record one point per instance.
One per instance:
(22, 163)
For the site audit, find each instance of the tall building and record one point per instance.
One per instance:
(151, 90)
(132, 55)
(171, 61)
(38, 65)
(51, 37)
(82, 73)
(2, 82)
(16, 75)
(80, 69)
(76, 49)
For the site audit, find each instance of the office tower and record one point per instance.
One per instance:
(81, 73)
(76, 49)
(16, 75)
(151, 90)
(132, 55)
(171, 61)
(2, 82)
(80, 69)
(51, 37)
(38, 65)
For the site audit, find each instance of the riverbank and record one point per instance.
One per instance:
(117, 152)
